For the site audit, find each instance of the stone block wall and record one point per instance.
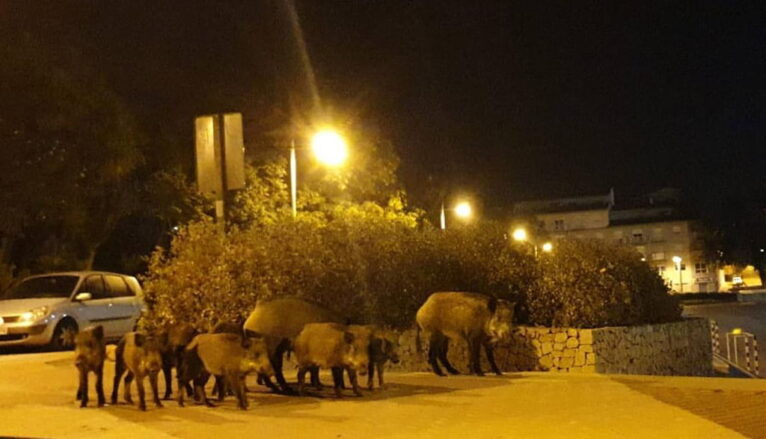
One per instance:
(678, 348)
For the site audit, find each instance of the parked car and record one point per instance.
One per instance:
(49, 309)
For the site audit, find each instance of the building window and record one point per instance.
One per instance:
(558, 224)
(659, 256)
(676, 229)
(638, 238)
(661, 270)
(700, 268)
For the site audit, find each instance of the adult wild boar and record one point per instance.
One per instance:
(227, 355)
(280, 321)
(478, 319)
(383, 347)
(332, 346)
(89, 354)
(174, 340)
(141, 356)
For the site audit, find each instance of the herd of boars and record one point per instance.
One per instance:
(319, 338)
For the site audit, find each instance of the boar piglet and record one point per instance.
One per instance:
(227, 355)
(89, 354)
(384, 346)
(141, 356)
(478, 319)
(332, 346)
(174, 340)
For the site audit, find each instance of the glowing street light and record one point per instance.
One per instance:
(329, 148)
(547, 247)
(520, 234)
(462, 210)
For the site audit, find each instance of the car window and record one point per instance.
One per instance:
(95, 286)
(117, 286)
(44, 287)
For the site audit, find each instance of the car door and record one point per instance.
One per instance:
(99, 310)
(123, 303)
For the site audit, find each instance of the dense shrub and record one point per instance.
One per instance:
(592, 283)
(376, 267)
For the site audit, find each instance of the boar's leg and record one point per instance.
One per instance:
(167, 372)
(236, 383)
(265, 380)
(100, 385)
(314, 371)
(153, 381)
(380, 374)
(141, 392)
(83, 387)
(433, 351)
(442, 354)
(128, 380)
(301, 379)
(474, 348)
(276, 362)
(337, 378)
(490, 351)
(370, 374)
(354, 381)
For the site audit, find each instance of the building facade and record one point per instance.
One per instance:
(652, 224)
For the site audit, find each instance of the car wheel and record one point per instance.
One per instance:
(63, 335)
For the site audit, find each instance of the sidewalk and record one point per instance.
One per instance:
(37, 400)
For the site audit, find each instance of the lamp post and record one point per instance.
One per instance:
(462, 210)
(329, 148)
(677, 260)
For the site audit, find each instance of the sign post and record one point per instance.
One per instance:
(220, 153)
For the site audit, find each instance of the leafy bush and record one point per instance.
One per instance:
(592, 283)
(376, 266)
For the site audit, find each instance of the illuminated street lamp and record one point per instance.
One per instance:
(677, 261)
(547, 247)
(462, 210)
(520, 234)
(329, 148)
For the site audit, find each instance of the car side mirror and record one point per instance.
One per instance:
(82, 297)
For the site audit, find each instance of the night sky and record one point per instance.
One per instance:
(504, 100)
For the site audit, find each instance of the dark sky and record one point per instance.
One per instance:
(506, 100)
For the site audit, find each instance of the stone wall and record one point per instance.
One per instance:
(678, 348)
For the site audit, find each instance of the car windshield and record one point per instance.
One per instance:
(43, 287)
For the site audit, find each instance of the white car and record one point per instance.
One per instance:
(48, 309)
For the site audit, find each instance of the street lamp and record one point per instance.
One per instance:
(547, 247)
(520, 234)
(677, 261)
(462, 210)
(329, 148)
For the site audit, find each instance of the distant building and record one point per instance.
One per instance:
(653, 224)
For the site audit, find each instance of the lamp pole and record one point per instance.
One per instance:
(443, 218)
(293, 179)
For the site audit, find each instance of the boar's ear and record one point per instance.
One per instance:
(492, 304)
(348, 337)
(139, 339)
(98, 332)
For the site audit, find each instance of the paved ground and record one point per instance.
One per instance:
(37, 400)
(751, 317)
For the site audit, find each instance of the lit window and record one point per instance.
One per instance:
(659, 256)
(700, 268)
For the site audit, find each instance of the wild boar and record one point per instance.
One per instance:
(228, 355)
(280, 321)
(332, 346)
(174, 340)
(89, 354)
(141, 356)
(478, 319)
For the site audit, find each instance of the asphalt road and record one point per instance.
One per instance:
(751, 317)
(37, 400)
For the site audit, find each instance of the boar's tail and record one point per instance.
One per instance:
(418, 345)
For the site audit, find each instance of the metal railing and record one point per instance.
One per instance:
(742, 350)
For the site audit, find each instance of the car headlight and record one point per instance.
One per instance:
(34, 314)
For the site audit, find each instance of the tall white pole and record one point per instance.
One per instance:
(443, 218)
(293, 179)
